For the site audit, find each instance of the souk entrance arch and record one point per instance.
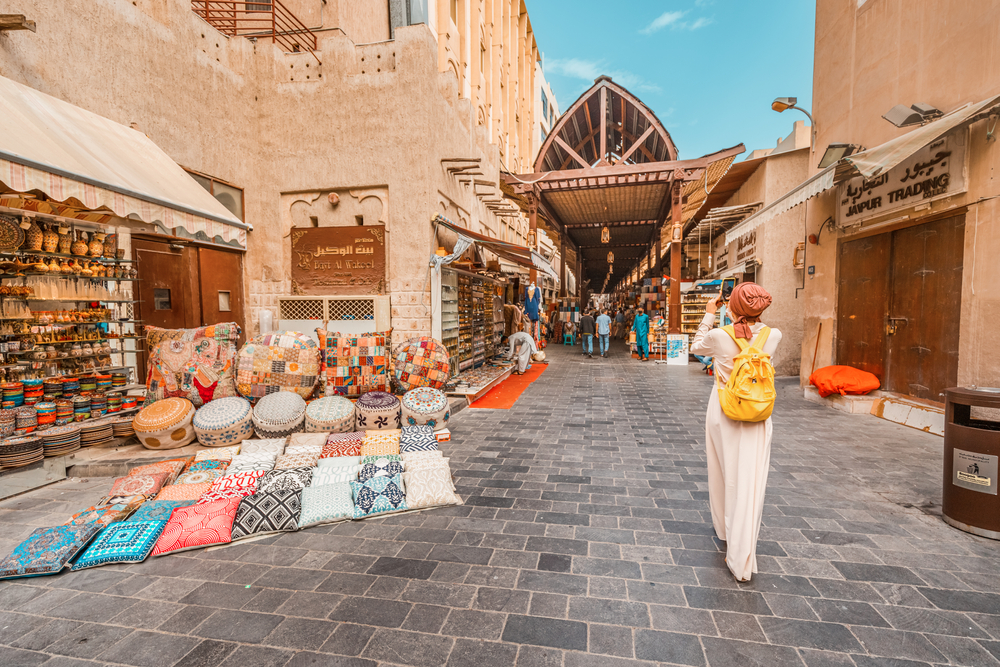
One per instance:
(608, 179)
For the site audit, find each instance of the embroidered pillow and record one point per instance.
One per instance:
(378, 495)
(157, 510)
(354, 364)
(267, 513)
(306, 440)
(196, 364)
(379, 443)
(196, 526)
(47, 550)
(208, 464)
(384, 457)
(183, 491)
(286, 461)
(379, 468)
(249, 479)
(200, 476)
(329, 502)
(330, 475)
(417, 439)
(340, 462)
(279, 361)
(429, 488)
(292, 479)
(344, 444)
(138, 485)
(102, 515)
(225, 494)
(172, 467)
(217, 453)
(128, 542)
(273, 446)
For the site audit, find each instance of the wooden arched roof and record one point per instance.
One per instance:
(607, 125)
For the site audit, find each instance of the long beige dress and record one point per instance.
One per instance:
(738, 455)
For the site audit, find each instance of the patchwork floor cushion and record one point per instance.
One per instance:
(157, 510)
(293, 479)
(217, 454)
(282, 361)
(267, 512)
(301, 460)
(165, 424)
(420, 362)
(353, 364)
(224, 422)
(330, 414)
(335, 475)
(379, 443)
(172, 467)
(47, 550)
(196, 364)
(429, 488)
(128, 542)
(425, 406)
(196, 526)
(138, 485)
(329, 502)
(417, 439)
(183, 491)
(270, 446)
(279, 415)
(343, 444)
(377, 411)
(378, 495)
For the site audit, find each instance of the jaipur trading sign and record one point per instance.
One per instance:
(338, 260)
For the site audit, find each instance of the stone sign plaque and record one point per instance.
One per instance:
(974, 471)
(338, 260)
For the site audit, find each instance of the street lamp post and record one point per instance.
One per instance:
(782, 103)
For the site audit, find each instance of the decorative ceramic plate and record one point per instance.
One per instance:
(11, 234)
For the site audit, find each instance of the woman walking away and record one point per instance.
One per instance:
(739, 452)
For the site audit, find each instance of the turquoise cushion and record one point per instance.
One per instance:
(158, 510)
(326, 503)
(47, 550)
(378, 495)
(126, 542)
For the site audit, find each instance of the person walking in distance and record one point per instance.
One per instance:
(604, 332)
(620, 324)
(641, 328)
(587, 330)
(739, 452)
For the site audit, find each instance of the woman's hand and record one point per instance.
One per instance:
(712, 307)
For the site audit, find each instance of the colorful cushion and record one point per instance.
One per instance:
(307, 439)
(102, 515)
(183, 491)
(379, 443)
(293, 479)
(329, 475)
(381, 457)
(330, 414)
(225, 494)
(421, 362)
(217, 454)
(378, 495)
(210, 464)
(431, 487)
(329, 502)
(172, 467)
(417, 439)
(377, 411)
(128, 542)
(250, 478)
(305, 460)
(138, 485)
(267, 513)
(340, 462)
(238, 468)
(305, 449)
(265, 460)
(223, 422)
(165, 424)
(425, 406)
(200, 476)
(196, 364)
(270, 446)
(279, 415)
(354, 364)
(158, 510)
(274, 362)
(47, 550)
(343, 444)
(197, 526)
(382, 466)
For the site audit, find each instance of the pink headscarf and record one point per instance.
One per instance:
(746, 303)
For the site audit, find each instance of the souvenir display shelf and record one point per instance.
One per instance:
(497, 335)
(465, 322)
(693, 310)
(478, 323)
(449, 316)
(473, 384)
(469, 318)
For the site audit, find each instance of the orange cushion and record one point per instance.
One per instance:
(843, 380)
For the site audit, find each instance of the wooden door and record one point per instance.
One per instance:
(924, 308)
(221, 287)
(861, 304)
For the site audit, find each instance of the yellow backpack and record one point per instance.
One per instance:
(748, 395)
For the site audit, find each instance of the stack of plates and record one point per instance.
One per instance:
(81, 408)
(25, 419)
(103, 382)
(122, 427)
(17, 452)
(32, 391)
(114, 402)
(98, 404)
(64, 412)
(88, 384)
(46, 414)
(61, 440)
(129, 402)
(53, 386)
(13, 394)
(71, 387)
(95, 432)
(119, 379)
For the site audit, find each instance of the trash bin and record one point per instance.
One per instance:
(971, 452)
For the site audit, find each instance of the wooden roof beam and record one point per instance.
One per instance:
(16, 22)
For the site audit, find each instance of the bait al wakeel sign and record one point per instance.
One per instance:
(338, 260)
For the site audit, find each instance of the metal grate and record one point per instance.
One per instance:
(350, 309)
(301, 309)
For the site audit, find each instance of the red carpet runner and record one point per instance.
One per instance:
(504, 395)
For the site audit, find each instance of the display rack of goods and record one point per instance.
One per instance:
(693, 310)
(449, 316)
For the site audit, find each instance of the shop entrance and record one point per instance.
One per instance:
(899, 306)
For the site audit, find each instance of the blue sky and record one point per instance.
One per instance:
(709, 69)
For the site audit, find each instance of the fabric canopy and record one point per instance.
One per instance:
(510, 251)
(72, 155)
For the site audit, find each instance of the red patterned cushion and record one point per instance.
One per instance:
(224, 494)
(238, 480)
(354, 364)
(198, 526)
(343, 444)
(183, 491)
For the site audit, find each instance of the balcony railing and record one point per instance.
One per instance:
(263, 19)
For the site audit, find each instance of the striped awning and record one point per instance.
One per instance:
(512, 252)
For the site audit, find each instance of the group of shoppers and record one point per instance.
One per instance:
(596, 323)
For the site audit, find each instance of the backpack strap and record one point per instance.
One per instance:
(731, 330)
(761, 338)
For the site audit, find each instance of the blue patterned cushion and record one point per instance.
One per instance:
(128, 542)
(326, 503)
(210, 464)
(417, 439)
(381, 467)
(289, 479)
(47, 550)
(377, 495)
(158, 510)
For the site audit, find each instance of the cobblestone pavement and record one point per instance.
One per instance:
(585, 540)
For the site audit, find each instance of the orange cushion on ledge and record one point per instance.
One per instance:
(843, 380)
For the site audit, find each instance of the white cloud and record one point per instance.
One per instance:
(673, 20)
(700, 23)
(588, 70)
(662, 21)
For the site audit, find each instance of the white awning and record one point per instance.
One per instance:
(810, 188)
(69, 153)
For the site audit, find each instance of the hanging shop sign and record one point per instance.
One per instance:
(937, 170)
(338, 260)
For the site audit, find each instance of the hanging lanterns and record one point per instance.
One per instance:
(611, 257)
(605, 235)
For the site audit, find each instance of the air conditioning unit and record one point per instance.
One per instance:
(348, 314)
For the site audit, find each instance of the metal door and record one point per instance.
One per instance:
(221, 287)
(924, 308)
(861, 303)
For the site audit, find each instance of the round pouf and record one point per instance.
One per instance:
(282, 361)
(224, 422)
(279, 415)
(377, 411)
(426, 406)
(421, 362)
(165, 424)
(332, 414)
